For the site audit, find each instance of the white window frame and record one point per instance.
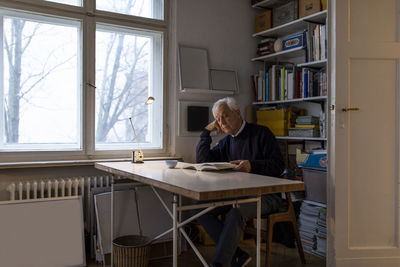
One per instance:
(89, 18)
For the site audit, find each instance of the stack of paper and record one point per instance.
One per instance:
(312, 227)
(321, 233)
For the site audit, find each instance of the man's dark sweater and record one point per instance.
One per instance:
(255, 143)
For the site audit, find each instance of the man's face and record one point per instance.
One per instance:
(229, 121)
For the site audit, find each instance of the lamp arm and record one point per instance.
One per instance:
(134, 133)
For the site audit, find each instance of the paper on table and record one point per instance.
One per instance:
(207, 166)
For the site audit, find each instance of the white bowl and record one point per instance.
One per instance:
(171, 163)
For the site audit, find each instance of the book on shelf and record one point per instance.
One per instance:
(266, 86)
(261, 86)
(206, 166)
(318, 151)
(308, 119)
(303, 132)
(315, 39)
(253, 86)
(306, 126)
(266, 47)
(287, 82)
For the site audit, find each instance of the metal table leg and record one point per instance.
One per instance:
(175, 231)
(258, 232)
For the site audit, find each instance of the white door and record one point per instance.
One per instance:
(363, 205)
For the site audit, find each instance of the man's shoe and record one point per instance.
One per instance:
(241, 260)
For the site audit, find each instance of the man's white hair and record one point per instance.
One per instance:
(229, 101)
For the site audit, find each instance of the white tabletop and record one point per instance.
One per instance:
(201, 185)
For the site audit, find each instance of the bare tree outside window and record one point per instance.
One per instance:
(38, 58)
(43, 93)
(122, 79)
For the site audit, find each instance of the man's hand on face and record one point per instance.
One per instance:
(214, 126)
(242, 165)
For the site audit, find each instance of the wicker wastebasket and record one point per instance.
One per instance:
(131, 251)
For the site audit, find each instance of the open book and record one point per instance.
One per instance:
(207, 166)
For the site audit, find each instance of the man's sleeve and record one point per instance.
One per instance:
(272, 164)
(205, 154)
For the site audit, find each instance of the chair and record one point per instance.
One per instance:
(287, 216)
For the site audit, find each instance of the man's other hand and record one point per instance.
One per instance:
(214, 126)
(242, 165)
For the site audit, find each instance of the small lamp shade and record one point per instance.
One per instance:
(150, 100)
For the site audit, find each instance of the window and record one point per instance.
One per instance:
(67, 2)
(148, 9)
(126, 66)
(71, 80)
(40, 59)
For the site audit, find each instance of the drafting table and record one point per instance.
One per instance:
(202, 186)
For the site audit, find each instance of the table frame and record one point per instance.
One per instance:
(177, 208)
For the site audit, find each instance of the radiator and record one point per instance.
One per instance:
(64, 187)
(60, 187)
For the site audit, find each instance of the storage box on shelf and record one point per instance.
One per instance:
(263, 21)
(285, 13)
(278, 120)
(315, 182)
(308, 7)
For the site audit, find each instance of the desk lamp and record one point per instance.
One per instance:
(137, 155)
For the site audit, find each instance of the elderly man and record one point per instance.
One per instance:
(253, 148)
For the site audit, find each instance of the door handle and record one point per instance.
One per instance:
(350, 109)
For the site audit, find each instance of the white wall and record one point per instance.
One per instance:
(224, 28)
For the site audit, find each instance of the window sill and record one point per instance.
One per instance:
(67, 163)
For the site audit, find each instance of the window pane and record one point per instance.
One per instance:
(128, 70)
(143, 8)
(67, 2)
(41, 97)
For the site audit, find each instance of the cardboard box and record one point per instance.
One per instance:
(285, 13)
(263, 21)
(311, 160)
(315, 183)
(308, 7)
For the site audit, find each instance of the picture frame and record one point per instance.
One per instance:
(224, 80)
(183, 116)
(193, 68)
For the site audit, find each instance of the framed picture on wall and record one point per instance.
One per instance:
(224, 80)
(193, 68)
(193, 117)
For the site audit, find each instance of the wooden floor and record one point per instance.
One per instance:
(281, 257)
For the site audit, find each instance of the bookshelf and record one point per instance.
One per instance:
(310, 99)
(293, 26)
(306, 57)
(206, 91)
(282, 55)
(294, 88)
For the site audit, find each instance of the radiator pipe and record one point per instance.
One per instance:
(76, 186)
(56, 188)
(35, 190)
(41, 189)
(11, 189)
(20, 190)
(28, 190)
(62, 183)
(69, 186)
(49, 183)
